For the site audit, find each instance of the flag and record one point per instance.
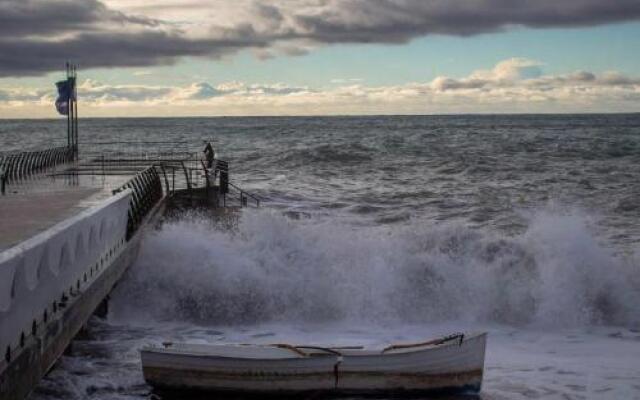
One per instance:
(66, 93)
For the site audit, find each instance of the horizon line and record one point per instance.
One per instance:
(479, 114)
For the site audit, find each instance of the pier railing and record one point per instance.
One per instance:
(146, 188)
(178, 167)
(179, 162)
(178, 171)
(246, 199)
(15, 167)
(227, 191)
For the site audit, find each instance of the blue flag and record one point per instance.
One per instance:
(66, 93)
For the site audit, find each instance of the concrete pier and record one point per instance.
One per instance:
(65, 241)
(68, 232)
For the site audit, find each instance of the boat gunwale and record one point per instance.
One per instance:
(168, 351)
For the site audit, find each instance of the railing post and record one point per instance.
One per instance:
(186, 175)
(166, 180)
(13, 167)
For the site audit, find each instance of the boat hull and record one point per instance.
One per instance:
(452, 367)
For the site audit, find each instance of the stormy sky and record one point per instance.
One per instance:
(153, 52)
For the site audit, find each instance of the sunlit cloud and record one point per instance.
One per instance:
(514, 85)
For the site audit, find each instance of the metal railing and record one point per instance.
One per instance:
(244, 196)
(18, 166)
(147, 191)
(175, 169)
(220, 170)
(179, 162)
(142, 150)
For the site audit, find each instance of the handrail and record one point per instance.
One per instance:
(215, 175)
(147, 191)
(221, 168)
(146, 142)
(244, 195)
(20, 165)
(186, 175)
(3, 179)
(125, 160)
(256, 198)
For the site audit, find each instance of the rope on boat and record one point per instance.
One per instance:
(296, 349)
(327, 349)
(292, 348)
(434, 342)
(332, 350)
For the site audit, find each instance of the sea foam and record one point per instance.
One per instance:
(272, 268)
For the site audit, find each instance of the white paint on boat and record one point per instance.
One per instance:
(452, 365)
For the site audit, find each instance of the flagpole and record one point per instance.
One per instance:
(75, 109)
(73, 114)
(73, 131)
(69, 133)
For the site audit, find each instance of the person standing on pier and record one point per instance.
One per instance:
(209, 155)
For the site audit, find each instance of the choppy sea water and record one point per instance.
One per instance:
(389, 229)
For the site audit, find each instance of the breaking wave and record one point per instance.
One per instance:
(271, 268)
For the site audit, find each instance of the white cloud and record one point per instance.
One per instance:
(514, 85)
(511, 70)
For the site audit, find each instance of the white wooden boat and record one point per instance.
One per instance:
(452, 363)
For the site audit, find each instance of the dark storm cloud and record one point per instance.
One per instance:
(397, 21)
(38, 36)
(39, 17)
(89, 50)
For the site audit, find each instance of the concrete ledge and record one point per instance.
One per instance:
(50, 266)
(40, 351)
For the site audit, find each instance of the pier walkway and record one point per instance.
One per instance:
(30, 208)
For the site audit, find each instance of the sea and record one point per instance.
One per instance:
(386, 229)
